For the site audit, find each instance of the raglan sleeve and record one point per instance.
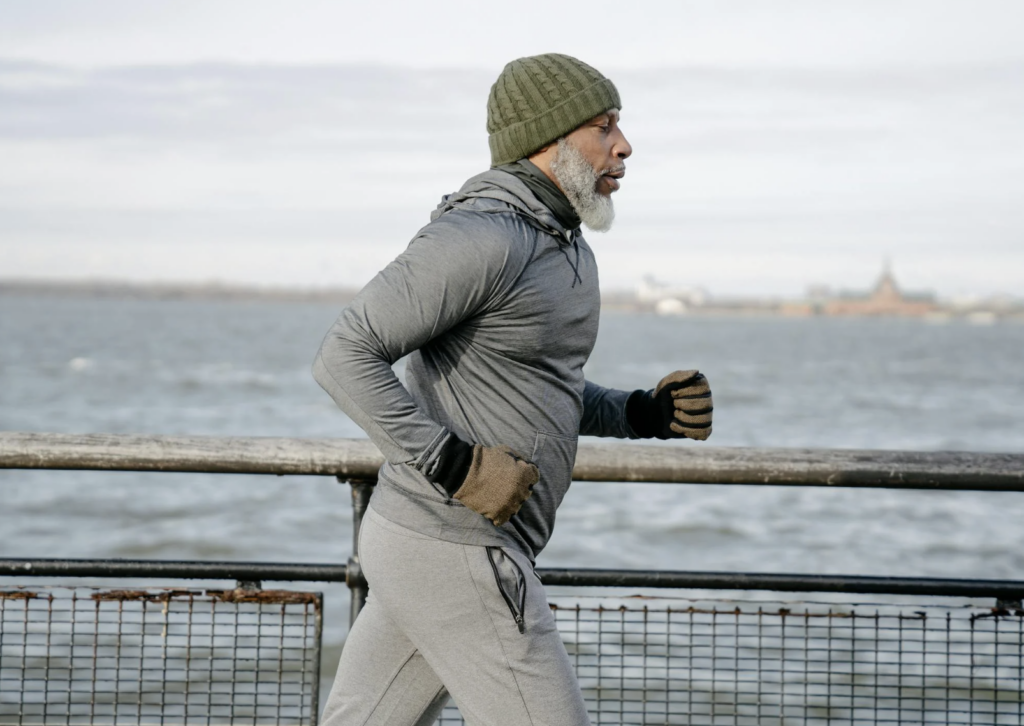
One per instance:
(604, 412)
(445, 276)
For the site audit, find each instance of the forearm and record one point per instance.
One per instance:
(439, 281)
(357, 374)
(604, 412)
(354, 367)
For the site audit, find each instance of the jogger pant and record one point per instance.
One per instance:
(445, 618)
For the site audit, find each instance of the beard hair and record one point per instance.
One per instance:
(578, 179)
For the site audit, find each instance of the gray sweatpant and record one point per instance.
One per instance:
(445, 618)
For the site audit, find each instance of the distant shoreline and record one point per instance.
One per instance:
(112, 289)
(611, 300)
(116, 289)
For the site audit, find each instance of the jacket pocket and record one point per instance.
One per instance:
(511, 584)
(555, 456)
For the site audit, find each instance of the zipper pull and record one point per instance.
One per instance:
(521, 624)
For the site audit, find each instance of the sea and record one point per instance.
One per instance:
(242, 368)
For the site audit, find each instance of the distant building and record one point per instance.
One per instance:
(668, 299)
(885, 299)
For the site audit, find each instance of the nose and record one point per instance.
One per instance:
(622, 148)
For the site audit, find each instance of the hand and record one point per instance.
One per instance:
(498, 483)
(491, 480)
(680, 406)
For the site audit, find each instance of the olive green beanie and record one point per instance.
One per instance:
(541, 98)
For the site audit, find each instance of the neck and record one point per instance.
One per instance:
(542, 160)
(546, 189)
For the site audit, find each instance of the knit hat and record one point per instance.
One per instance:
(541, 98)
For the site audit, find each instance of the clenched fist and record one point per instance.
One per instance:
(680, 406)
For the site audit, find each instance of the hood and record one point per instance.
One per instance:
(495, 191)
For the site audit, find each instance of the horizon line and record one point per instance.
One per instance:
(226, 287)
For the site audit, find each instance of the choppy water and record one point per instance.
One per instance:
(86, 365)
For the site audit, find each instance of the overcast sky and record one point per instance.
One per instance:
(776, 144)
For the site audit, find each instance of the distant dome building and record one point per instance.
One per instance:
(885, 299)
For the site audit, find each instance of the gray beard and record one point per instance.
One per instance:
(578, 180)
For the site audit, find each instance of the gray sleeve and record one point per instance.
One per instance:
(446, 275)
(604, 412)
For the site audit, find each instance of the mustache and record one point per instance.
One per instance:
(612, 170)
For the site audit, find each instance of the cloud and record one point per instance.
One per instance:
(218, 102)
(649, 33)
(924, 164)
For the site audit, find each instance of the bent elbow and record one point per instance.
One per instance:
(346, 354)
(329, 364)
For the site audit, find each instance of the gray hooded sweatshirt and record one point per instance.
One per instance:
(496, 305)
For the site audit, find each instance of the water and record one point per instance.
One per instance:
(231, 368)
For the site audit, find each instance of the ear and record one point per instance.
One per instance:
(542, 157)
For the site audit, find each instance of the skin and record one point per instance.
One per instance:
(602, 143)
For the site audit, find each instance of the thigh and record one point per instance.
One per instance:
(382, 678)
(457, 605)
(531, 666)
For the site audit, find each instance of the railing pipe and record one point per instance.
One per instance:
(358, 587)
(585, 577)
(1009, 590)
(177, 569)
(683, 463)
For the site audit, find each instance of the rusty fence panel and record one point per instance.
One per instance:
(673, 661)
(154, 656)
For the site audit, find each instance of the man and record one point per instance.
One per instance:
(496, 304)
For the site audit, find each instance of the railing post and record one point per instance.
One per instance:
(361, 491)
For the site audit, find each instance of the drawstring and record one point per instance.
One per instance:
(575, 267)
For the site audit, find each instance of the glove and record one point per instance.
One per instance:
(491, 480)
(680, 406)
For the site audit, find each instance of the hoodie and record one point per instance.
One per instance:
(496, 305)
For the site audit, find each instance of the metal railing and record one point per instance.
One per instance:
(650, 660)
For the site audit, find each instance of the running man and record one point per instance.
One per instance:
(495, 302)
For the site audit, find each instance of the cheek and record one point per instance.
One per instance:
(595, 146)
(598, 156)
(602, 155)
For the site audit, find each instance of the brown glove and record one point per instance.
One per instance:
(680, 406)
(498, 483)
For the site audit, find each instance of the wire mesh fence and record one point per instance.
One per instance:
(657, 661)
(93, 656)
(82, 655)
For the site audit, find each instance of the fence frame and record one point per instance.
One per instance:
(355, 462)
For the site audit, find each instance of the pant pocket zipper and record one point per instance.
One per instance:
(517, 612)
